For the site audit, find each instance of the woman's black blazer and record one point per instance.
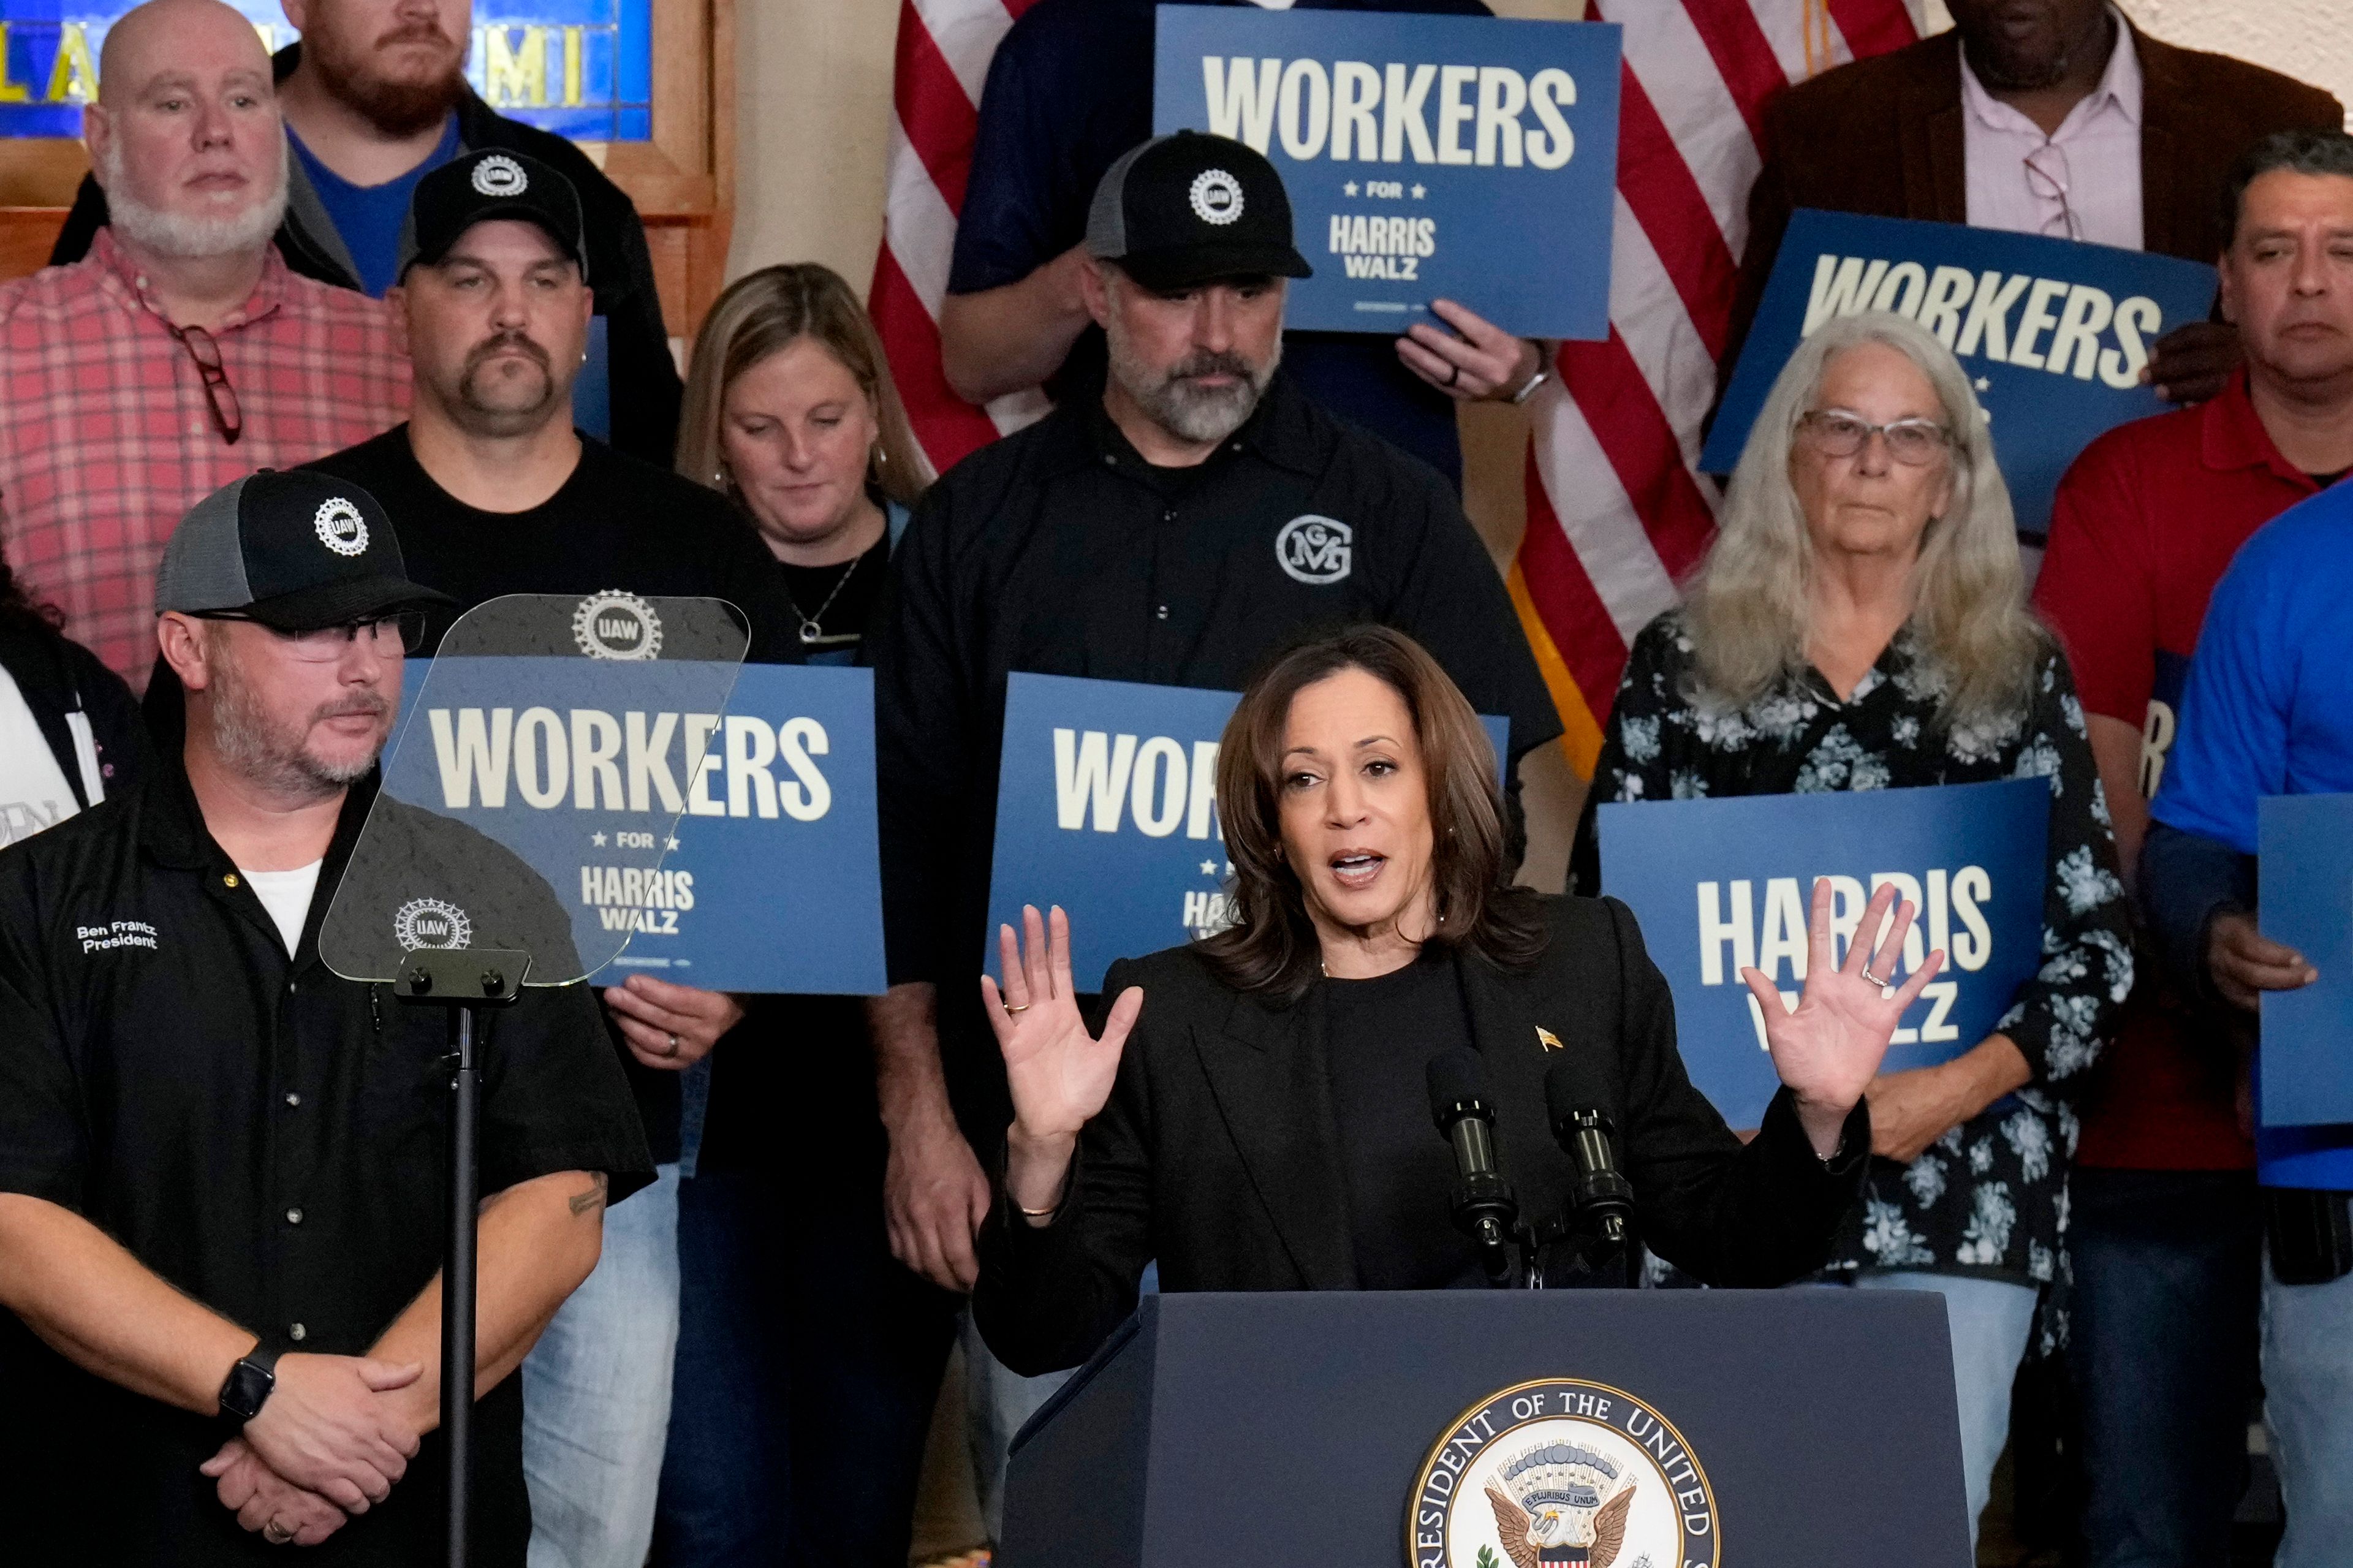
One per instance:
(1218, 1154)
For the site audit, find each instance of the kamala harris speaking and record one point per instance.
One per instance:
(1251, 1112)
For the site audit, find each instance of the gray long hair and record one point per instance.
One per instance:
(1749, 603)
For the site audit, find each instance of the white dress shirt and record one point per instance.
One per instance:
(2083, 183)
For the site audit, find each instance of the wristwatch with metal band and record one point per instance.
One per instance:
(248, 1385)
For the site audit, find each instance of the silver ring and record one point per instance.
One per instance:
(1874, 979)
(673, 1045)
(276, 1534)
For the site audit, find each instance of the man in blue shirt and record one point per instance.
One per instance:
(2269, 711)
(1068, 90)
(375, 99)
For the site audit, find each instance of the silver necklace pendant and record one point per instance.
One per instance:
(810, 630)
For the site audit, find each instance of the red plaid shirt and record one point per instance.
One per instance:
(108, 436)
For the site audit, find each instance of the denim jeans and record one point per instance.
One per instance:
(595, 1393)
(1991, 1320)
(2163, 1357)
(2308, 1406)
(808, 1365)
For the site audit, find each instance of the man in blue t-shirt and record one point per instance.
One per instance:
(2269, 711)
(1068, 90)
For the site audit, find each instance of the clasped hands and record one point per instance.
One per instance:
(329, 1442)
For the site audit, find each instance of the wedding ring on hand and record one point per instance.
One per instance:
(673, 1047)
(1874, 979)
(1010, 1009)
(1454, 375)
(277, 1535)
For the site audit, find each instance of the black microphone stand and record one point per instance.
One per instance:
(468, 982)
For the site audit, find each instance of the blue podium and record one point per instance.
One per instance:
(1502, 1429)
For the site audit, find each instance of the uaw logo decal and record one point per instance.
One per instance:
(430, 922)
(1316, 549)
(341, 527)
(614, 625)
(1562, 1471)
(499, 175)
(1217, 197)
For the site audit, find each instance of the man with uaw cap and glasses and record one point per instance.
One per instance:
(221, 1165)
(1174, 530)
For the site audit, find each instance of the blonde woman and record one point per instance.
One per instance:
(1860, 624)
(808, 1358)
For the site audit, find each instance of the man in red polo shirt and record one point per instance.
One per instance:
(2167, 1237)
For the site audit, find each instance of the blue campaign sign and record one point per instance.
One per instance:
(1724, 885)
(2053, 333)
(1468, 158)
(581, 69)
(1107, 805)
(767, 878)
(2307, 844)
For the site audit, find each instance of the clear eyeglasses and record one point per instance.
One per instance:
(1836, 433)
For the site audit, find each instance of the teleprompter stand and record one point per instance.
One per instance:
(468, 982)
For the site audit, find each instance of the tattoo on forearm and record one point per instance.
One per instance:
(593, 1198)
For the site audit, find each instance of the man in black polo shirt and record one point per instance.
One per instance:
(495, 493)
(221, 1168)
(1173, 531)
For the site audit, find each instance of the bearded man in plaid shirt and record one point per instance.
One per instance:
(181, 353)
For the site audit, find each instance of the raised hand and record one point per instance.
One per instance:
(1059, 1074)
(1829, 1049)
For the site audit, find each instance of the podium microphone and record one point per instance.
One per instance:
(1483, 1205)
(1602, 1199)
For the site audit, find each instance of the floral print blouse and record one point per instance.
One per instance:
(1990, 1197)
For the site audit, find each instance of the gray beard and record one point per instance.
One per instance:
(186, 238)
(1185, 411)
(267, 753)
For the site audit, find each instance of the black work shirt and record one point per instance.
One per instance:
(1397, 1168)
(265, 1136)
(1059, 550)
(1061, 105)
(615, 523)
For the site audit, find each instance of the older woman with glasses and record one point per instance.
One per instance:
(1861, 623)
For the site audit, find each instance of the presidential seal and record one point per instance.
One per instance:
(341, 527)
(1562, 1471)
(430, 922)
(499, 175)
(614, 625)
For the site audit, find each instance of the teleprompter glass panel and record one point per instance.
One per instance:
(549, 750)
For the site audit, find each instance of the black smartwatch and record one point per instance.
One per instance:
(248, 1385)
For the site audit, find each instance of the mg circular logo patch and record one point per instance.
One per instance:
(341, 527)
(1316, 549)
(1562, 1471)
(431, 922)
(614, 625)
(1217, 197)
(499, 175)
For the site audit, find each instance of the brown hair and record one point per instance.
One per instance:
(1271, 947)
(765, 312)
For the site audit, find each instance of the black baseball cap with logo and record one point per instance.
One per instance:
(1189, 208)
(299, 551)
(480, 186)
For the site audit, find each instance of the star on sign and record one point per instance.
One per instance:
(1349, 189)
(1984, 384)
(598, 839)
(673, 843)
(1209, 868)
(1420, 192)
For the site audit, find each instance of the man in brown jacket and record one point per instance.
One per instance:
(2047, 116)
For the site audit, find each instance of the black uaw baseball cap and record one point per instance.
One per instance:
(480, 186)
(1187, 208)
(297, 551)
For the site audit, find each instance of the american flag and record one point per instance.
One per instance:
(1616, 511)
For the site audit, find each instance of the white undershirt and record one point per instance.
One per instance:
(34, 793)
(287, 896)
